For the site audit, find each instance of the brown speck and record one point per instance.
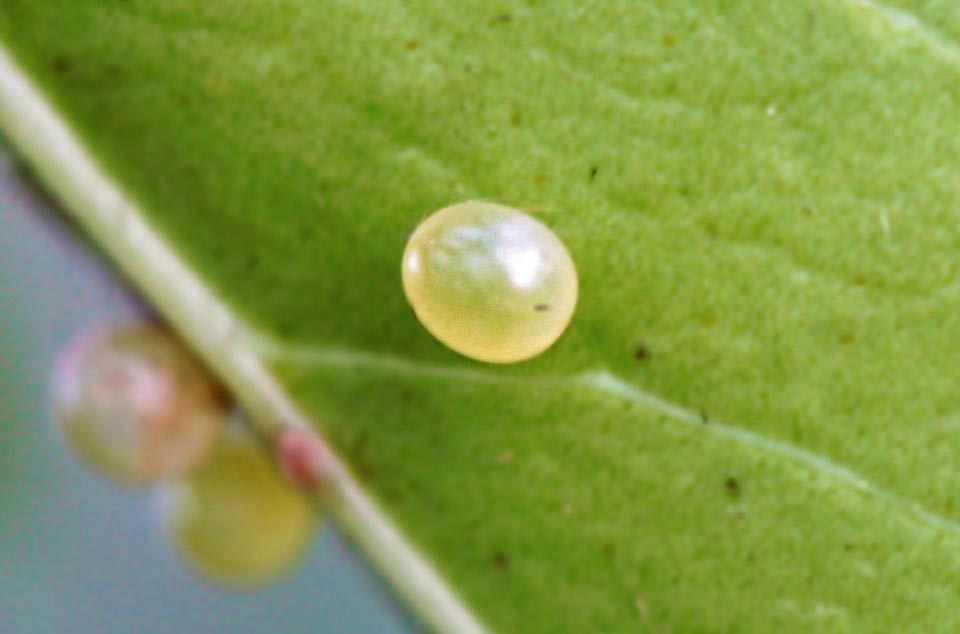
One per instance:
(504, 457)
(641, 353)
(704, 417)
(516, 118)
(500, 561)
(669, 40)
(61, 64)
(411, 45)
(501, 18)
(859, 280)
(609, 550)
(732, 485)
(847, 338)
(708, 319)
(540, 179)
(542, 308)
(806, 211)
(593, 172)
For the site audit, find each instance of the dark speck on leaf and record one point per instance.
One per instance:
(501, 18)
(704, 417)
(847, 338)
(61, 64)
(641, 353)
(732, 485)
(411, 45)
(669, 39)
(500, 561)
(593, 172)
(253, 262)
(609, 550)
(541, 308)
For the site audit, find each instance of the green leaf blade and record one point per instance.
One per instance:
(762, 198)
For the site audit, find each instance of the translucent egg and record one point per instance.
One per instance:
(490, 282)
(134, 405)
(235, 521)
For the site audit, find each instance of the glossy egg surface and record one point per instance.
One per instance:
(491, 282)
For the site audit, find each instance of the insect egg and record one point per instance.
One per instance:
(134, 405)
(489, 281)
(234, 520)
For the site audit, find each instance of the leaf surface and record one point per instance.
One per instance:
(751, 423)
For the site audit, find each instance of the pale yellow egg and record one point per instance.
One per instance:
(490, 282)
(234, 520)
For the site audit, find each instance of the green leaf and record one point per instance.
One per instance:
(750, 425)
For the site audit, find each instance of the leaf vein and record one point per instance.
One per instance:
(609, 383)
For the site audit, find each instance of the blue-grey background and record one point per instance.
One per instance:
(79, 555)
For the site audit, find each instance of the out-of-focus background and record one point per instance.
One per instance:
(79, 555)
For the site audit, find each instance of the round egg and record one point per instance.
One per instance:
(234, 521)
(489, 281)
(134, 405)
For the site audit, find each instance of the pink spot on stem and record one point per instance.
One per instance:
(303, 458)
